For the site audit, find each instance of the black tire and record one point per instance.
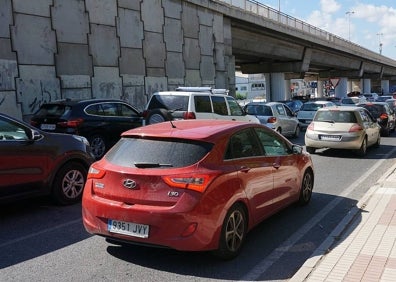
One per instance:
(310, 150)
(68, 184)
(157, 116)
(378, 143)
(98, 145)
(306, 188)
(233, 233)
(361, 152)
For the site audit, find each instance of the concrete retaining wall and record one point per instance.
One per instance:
(128, 49)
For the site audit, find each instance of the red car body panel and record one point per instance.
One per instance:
(264, 184)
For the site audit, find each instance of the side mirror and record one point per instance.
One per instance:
(297, 149)
(32, 134)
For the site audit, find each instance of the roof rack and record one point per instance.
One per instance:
(203, 89)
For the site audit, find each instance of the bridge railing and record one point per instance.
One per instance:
(275, 15)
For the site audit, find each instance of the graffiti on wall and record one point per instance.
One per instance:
(8, 71)
(33, 93)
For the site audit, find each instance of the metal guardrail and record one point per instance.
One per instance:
(275, 15)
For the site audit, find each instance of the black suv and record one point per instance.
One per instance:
(101, 121)
(34, 163)
(384, 115)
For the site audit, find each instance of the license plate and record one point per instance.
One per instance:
(45, 126)
(330, 137)
(128, 228)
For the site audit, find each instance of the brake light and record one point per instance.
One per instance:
(384, 116)
(71, 123)
(355, 128)
(189, 115)
(198, 182)
(95, 173)
(310, 126)
(271, 120)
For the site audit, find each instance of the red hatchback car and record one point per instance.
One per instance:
(194, 185)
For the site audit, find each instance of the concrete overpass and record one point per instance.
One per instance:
(128, 49)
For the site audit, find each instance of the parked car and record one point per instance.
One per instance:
(371, 97)
(294, 105)
(35, 163)
(392, 103)
(351, 128)
(308, 111)
(226, 177)
(276, 116)
(352, 101)
(383, 98)
(384, 115)
(101, 121)
(194, 103)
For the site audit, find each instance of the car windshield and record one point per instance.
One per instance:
(311, 107)
(260, 110)
(375, 110)
(157, 153)
(169, 102)
(335, 116)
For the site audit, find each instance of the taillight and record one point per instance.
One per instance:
(95, 173)
(310, 126)
(384, 116)
(189, 115)
(271, 120)
(145, 113)
(355, 128)
(71, 123)
(198, 182)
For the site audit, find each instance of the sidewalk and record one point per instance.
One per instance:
(363, 246)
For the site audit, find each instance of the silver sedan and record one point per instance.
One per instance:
(343, 128)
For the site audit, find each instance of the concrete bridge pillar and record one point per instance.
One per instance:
(366, 87)
(341, 89)
(384, 86)
(319, 89)
(277, 87)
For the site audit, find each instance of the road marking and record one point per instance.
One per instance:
(39, 233)
(268, 261)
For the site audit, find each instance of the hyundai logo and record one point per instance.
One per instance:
(129, 183)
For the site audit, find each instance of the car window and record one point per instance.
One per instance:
(281, 110)
(336, 116)
(272, 144)
(235, 109)
(288, 112)
(53, 110)
(219, 105)
(311, 107)
(125, 111)
(169, 102)
(108, 109)
(261, 110)
(157, 153)
(10, 131)
(241, 145)
(202, 104)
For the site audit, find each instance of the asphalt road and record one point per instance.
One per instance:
(43, 242)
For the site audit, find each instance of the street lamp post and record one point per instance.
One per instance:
(349, 23)
(379, 42)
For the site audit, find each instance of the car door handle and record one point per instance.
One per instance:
(244, 169)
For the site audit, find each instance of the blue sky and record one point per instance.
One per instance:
(370, 23)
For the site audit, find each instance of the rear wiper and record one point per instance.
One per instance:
(151, 165)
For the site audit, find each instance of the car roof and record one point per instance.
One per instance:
(318, 102)
(71, 102)
(342, 108)
(199, 129)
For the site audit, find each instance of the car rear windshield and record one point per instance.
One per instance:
(311, 107)
(157, 153)
(260, 110)
(53, 110)
(169, 102)
(336, 116)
